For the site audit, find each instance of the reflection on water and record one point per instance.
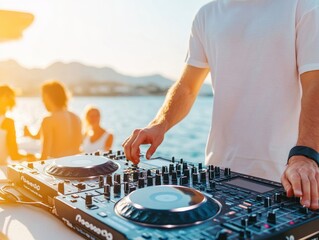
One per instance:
(123, 115)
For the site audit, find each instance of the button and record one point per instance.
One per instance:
(146, 236)
(75, 196)
(102, 214)
(73, 200)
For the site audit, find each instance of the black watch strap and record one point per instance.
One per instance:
(304, 151)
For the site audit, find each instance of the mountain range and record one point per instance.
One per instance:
(84, 80)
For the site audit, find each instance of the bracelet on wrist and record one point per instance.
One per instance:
(306, 152)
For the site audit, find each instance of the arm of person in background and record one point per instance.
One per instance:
(12, 144)
(176, 106)
(301, 177)
(27, 133)
(47, 138)
(109, 142)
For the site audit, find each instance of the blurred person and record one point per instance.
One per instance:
(95, 136)
(263, 57)
(60, 130)
(8, 141)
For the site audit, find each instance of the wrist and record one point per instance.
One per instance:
(304, 151)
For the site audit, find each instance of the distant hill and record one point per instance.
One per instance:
(85, 80)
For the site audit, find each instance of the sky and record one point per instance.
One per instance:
(135, 37)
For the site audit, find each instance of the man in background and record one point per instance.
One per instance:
(264, 62)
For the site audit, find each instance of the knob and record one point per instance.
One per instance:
(117, 178)
(211, 167)
(183, 180)
(149, 180)
(107, 191)
(97, 153)
(88, 199)
(217, 171)
(126, 187)
(132, 188)
(158, 179)
(194, 170)
(244, 222)
(166, 178)
(30, 165)
(212, 184)
(195, 178)
(185, 166)
(81, 186)
(211, 174)
(174, 177)
(135, 176)
(267, 202)
(186, 172)
(222, 235)
(173, 159)
(118, 153)
(61, 187)
(141, 182)
(200, 166)
(271, 217)
(171, 168)
(277, 198)
(249, 209)
(126, 177)
(181, 161)
(252, 218)
(303, 210)
(101, 181)
(109, 180)
(117, 189)
(164, 169)
(203, 176)
(259, 198)
(227, 172)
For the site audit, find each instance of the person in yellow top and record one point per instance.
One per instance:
(60, 130)
(8, 143)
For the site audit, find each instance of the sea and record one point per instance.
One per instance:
(122, 115)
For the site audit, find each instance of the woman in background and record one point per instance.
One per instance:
(95, 137)
(8, 141)
(60, 131)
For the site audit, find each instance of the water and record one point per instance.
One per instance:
(123, 114)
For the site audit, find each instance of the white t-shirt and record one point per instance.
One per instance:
(256, 50)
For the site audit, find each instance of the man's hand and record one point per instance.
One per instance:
(301, 179)
(153, 135)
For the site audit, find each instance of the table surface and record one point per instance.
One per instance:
(29, 223)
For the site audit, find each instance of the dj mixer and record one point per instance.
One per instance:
(104, 196)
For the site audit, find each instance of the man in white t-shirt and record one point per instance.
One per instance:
(264, 62)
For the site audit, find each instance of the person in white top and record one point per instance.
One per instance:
(264, 62)
(8, 142)
(95, 137)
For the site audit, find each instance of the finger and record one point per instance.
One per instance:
(151, 150)
(295, 182)
(127, 145)
(305, 184)
(287, 186)
(135, 147)
(314, 192)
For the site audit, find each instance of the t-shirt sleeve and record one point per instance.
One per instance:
(196, 55)
(307, 41)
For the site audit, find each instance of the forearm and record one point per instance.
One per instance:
(176, 106)
(309, 116)
(180, 97)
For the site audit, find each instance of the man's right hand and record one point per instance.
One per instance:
(153, 134)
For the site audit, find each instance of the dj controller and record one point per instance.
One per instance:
(104, 196)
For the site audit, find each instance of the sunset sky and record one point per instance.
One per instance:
(135, 37)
